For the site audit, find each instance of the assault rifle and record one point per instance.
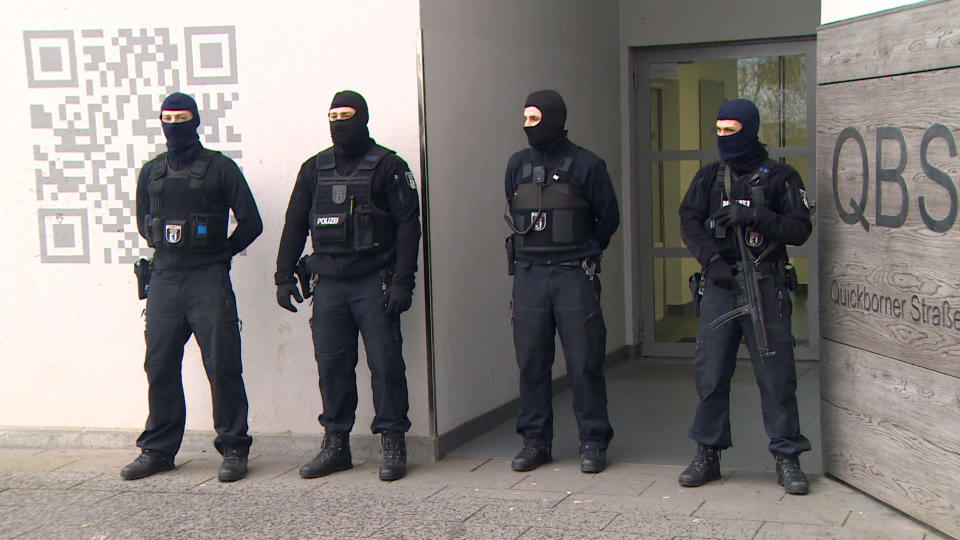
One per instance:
(754, 302)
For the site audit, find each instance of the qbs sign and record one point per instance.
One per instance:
(852, 211)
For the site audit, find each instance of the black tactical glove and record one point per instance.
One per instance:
(397, 298)
(284, 292)
(738, 214)
(719, 273)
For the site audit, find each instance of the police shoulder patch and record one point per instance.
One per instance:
(410, 180)
(803, 198)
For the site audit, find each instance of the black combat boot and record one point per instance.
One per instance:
(147, 463)
(790, 476)
(593, 456)
(535, 452)
(334, 456)
(234, 466)
(394, 464)
(704, 467)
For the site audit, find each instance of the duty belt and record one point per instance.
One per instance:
(575, 263)
(589, 264)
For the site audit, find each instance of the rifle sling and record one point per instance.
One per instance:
(727, 190)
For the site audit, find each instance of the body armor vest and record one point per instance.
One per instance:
(344, 219)
(549, 210)
(181, 215)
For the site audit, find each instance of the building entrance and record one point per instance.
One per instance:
(676, 94)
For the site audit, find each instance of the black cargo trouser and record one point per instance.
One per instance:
(561, 299)
(715, 360)
(201, 303)
(341, 308)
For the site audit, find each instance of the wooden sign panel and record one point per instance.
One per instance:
(888, 183)
(892, 431)
(888, 171)
(915, 38)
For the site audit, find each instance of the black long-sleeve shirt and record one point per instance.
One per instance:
(590, 181)
(223, 183)
(391, 191)
(787, 223)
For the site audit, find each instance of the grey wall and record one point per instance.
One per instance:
(481, 59)
(654, 22)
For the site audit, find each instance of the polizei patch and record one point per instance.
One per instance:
(328, 221)
(410, 180)
(174, 233)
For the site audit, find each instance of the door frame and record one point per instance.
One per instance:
(643, 252)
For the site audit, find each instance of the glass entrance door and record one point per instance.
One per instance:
(676, 95)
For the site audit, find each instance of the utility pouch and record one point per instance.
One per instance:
(696, 289)
(304, 276)
(201, 231)
(143, 269)
(790, 279)
(207, 231)
(511, 256)
(718, 231)
(330, 228)
(156, 231)
(363, 229)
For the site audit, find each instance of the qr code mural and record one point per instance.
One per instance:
(94, 113)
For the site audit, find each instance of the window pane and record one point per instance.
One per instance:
(685, 97)
(670, 182)
(800, 164)
(675, 321)
(684, 116)
(777, 85)
(795, 100)
(801, 314)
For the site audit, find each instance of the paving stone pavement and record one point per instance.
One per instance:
(79, 494)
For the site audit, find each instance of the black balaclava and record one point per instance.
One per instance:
(350, 137)
(742, 150)
(183, 141)
(553, 115)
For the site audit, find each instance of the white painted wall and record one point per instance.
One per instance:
(71, 333)
(838, 10)
(482, 59)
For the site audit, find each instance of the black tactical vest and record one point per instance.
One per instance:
(181, 215)
(344, 219)
(751, 193)
(547, 207)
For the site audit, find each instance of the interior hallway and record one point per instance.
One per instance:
(651, 404)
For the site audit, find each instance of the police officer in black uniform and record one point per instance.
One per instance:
(563, 212)
(359, 203)
(765, 201)
(184, 198)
